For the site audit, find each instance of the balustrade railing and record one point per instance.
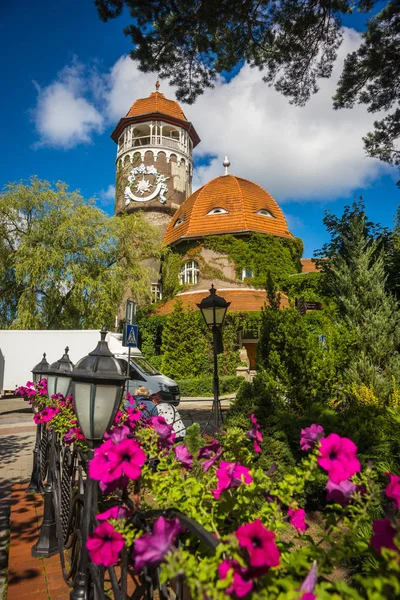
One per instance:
(154, 140)
(60, 472)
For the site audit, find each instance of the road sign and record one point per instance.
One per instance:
(130, 311)
(130, 339)
(313, 305)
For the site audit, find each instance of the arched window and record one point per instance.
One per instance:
(189, 273)
(245, 273)
(265, 213)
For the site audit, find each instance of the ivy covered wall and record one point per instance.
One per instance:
(262, 253)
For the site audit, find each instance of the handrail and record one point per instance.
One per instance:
(153, 140)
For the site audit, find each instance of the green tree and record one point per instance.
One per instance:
(371, 76)
(368, 312)
(185, 344)
(63, 262)
(294, 43)
(292, 356)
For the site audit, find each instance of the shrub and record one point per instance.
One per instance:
(203, 386)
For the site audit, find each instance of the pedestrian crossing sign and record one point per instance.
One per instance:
(131, 336)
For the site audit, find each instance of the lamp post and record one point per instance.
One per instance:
(35, 484)
(59, 375)
(97, 387)
(40, 369)
(213, 308)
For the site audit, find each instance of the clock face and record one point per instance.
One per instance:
(144, 184)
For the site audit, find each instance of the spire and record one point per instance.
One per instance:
(157, 85)
(226, 164)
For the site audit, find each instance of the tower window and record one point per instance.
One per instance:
(245, 273)
(178, 222)
(217, 211)
(264, 213)
(156, 292)
(189, 273)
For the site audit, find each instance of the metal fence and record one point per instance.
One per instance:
(70, 505)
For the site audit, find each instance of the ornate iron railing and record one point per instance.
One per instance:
(70, 505)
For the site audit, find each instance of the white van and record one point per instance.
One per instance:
(141, 372)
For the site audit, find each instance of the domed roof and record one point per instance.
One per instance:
(156, 103)
(227, 204)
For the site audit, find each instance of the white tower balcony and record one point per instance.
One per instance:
(155, 135)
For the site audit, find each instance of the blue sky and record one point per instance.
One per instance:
(66, 83)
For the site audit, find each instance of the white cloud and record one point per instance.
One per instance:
(107, 196)
(63, 116)
(296, 153)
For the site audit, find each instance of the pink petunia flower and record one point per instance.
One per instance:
(230, 475)
(309, 583)
(242, 584)
(255, 433)
(151, 548)
(310, 436)
(338, 456)
(117, 434)
(165, 432)
(297, 519)
(183, 456)
(126, 458)
(73, 434)
(340, 492)
(101, 467)
(46, 415)
(212, 452)
(259, 543)
(110, 486)
(104, 545)
(393, 488)
(116, 512)
(384, 534)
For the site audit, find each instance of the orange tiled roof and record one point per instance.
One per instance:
(308, 266)
(156, 103)
(240, 198)
(244, 300)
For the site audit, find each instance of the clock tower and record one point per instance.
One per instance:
(154, 158)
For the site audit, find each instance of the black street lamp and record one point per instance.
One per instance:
(213, 308)
(97, 387)
(58, 376)
(40, 369)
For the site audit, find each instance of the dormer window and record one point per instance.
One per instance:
(264, 213)
(178, 222)
(217, 211)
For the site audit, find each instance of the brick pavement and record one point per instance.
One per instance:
(39, 578)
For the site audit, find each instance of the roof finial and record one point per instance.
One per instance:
(226, 164)
(157, 85)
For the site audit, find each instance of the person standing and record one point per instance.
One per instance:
(170, 414)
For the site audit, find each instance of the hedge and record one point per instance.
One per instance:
(203, 386)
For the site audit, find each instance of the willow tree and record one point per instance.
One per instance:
(64, 263)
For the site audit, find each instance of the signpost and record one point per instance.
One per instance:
(303, 306)
(130, 336)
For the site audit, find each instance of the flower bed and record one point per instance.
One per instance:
(244, 512)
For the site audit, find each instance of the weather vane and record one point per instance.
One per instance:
(157, 85)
